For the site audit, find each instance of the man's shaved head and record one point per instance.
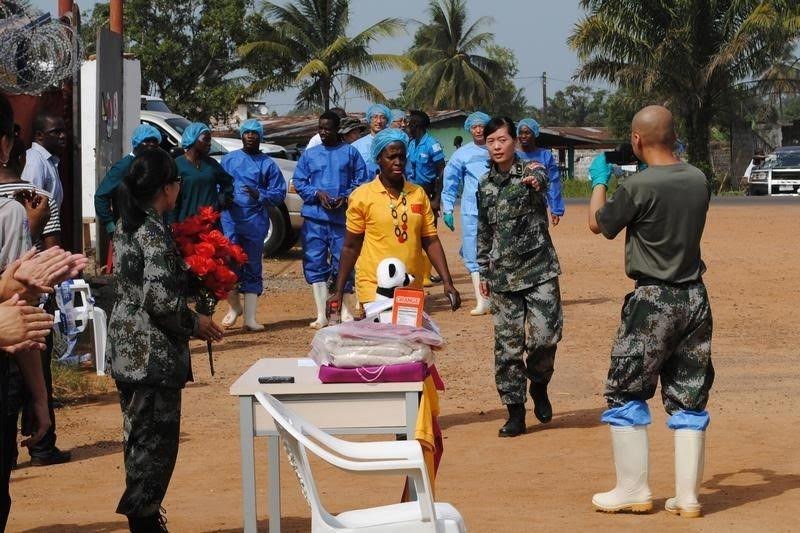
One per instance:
(655, 126)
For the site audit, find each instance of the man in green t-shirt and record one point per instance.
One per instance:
(666, 321)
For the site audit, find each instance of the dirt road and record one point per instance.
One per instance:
(541, 481)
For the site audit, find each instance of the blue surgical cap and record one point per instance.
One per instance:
(252, 125)
(144, 132)
(398, 114)
(379, 109)
(386, 137)
(531, 124)
(193, 132)
(476, 118)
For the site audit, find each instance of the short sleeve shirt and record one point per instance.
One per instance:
(369, 214)
(423, 157)
(663, 210)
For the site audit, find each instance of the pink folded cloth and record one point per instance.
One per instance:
(374, 374)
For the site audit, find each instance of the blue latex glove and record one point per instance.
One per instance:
(449, 221)
(599, 171)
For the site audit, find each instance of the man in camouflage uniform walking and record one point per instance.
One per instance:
(666, 321)
(519, 272)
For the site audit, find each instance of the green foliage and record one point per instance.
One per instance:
(620, 107)
(187, 50)
(574, 106)
(309, 47)
(91, 21)
(456, 69)
(688, 53)
(572, 188)
(508, 101)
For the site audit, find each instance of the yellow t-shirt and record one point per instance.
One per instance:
(369, 214)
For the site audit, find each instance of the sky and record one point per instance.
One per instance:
(536, 30)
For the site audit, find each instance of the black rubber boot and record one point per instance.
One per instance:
(156, 523)
(516, 421)
(541, 403)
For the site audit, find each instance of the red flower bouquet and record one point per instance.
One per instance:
(211, 258)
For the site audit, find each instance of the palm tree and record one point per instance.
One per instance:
(452, 72)
(690, 53)
(310, 37)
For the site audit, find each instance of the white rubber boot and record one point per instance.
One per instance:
(482, 306)
(632, 492)
(320, 290)
(348, 307)
(235, 311)
(689, 459)
(250, 306)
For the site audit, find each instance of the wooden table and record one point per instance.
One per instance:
(338, 408)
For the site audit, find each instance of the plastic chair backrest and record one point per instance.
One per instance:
(291, 429)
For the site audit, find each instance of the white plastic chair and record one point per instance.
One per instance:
(390, 457)
(83, 314)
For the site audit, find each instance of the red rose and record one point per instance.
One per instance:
(204, 249)
(225, 275)
(200, 265)
(190, 227)
(216, 238)
(221, 294)
(238, 254)
(207, 214)
(223, 252)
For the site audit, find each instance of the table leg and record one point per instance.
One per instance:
(246, 435)
(274, 465)
(412, 410)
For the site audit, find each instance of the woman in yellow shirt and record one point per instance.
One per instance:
(390, 217)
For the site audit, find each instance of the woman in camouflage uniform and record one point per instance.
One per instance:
(148, 333)
(519, 267)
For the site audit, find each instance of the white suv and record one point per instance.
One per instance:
(285, 220)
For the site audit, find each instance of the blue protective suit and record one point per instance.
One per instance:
(246, 222)
(544, 156)
(466, 168)
(364, 147)
(336, 170)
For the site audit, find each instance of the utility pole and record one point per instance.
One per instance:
(544, 91)
(115, 16)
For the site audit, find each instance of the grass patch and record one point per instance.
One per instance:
(72, 383)
(572, 188)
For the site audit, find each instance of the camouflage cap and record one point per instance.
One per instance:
(348, 124)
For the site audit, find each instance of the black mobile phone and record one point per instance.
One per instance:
(275, 379)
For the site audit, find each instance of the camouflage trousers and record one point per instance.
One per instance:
(151, 418)
(527, 327)
(665, 333)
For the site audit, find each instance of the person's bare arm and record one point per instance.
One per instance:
(20, 323)
(433, 247)
(30, 364)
